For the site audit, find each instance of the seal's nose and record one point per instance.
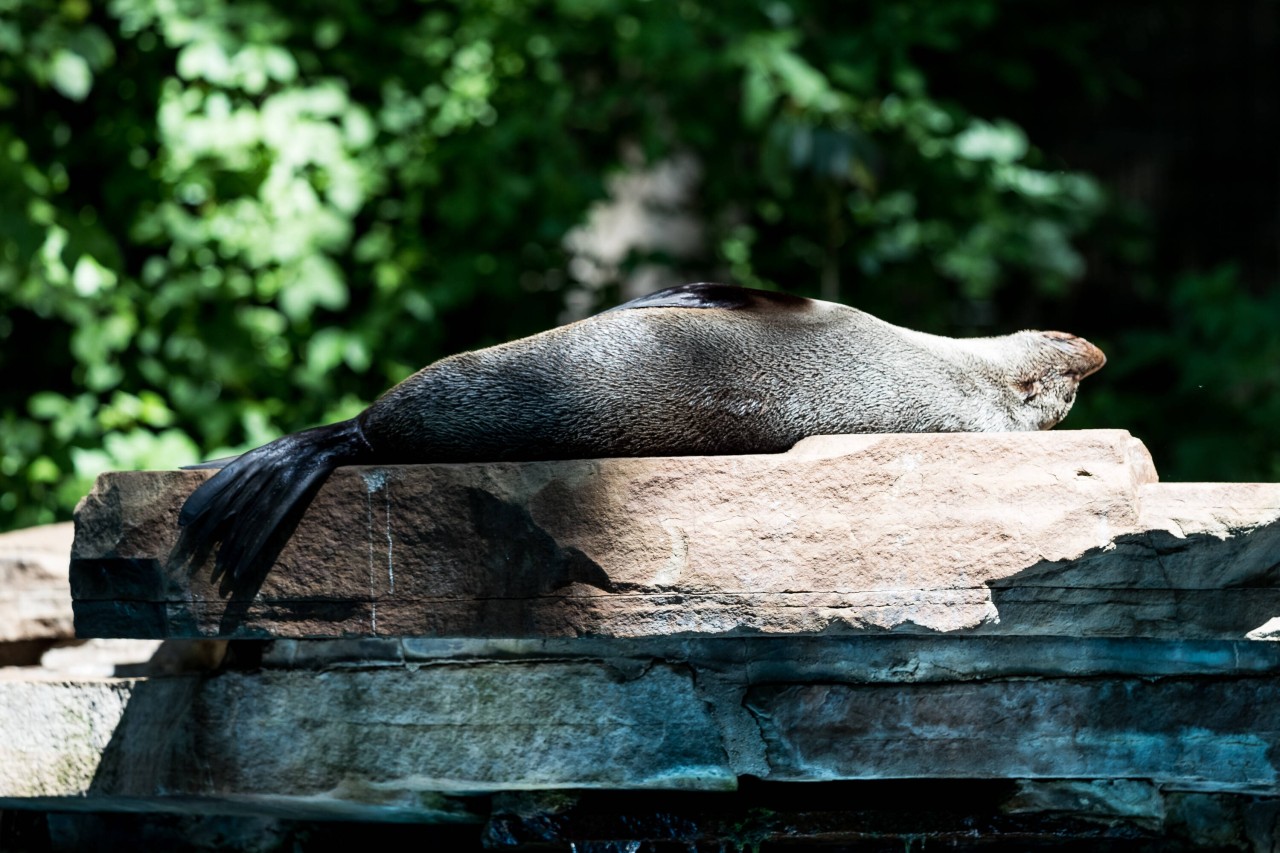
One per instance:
(1086, 358)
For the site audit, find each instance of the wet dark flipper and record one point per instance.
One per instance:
(252, 505)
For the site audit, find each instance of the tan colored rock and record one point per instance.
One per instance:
(36, 616)
(35, 597)
(55, 733)
(1025, 533)
(99, 658)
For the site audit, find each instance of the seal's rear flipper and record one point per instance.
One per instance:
(252, 505)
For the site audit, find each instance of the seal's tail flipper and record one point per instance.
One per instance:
(251, 506)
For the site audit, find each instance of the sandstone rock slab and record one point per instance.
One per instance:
(1062, 533)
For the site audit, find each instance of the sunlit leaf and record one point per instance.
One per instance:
(1001, 142)
(70, 74)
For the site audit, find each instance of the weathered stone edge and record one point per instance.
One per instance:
(392, 741)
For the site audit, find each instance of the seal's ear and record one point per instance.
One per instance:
(1028, 389)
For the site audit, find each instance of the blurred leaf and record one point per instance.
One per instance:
(1000, 142)
(70, 75)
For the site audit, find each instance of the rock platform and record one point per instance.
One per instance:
(1023, 635)
(1065, 533)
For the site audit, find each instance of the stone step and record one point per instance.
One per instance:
(1024, 534)
(410, 730)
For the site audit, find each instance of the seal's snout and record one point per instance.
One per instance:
(1085, 357)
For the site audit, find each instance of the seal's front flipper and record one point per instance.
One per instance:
(251, 507)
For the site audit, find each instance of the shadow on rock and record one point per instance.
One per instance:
(1150, 584)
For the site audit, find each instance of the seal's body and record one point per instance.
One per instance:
(699, 369)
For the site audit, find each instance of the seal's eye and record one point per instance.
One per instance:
(1029, 389)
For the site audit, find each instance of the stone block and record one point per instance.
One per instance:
(383, 744)
(1026, 533)
(317, 732)
(35, 596)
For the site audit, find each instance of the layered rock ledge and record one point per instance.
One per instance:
(1025, 738)
(1058, 533)
(1026, 636)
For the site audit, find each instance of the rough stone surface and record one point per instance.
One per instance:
(56, 732)
(409, 730)
(1195, 734)
(383, 744)
(1111, 801)
(99, 658)
(36, 627)
(1033, 625)
(35, 597)
(1029, 533)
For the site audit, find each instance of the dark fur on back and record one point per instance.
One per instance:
(745, 371)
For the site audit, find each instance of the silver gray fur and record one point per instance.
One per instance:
(658, 381)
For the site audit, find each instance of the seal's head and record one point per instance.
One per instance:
(1049, 368)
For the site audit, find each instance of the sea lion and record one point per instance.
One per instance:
(697, 369)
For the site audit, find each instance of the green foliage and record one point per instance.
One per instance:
(221, 221)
